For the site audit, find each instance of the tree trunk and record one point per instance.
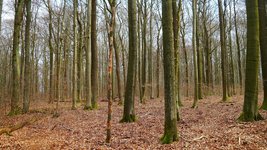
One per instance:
(94, 75)
(250, 107)
(111, 29)
(15, 56)
(144, 54)
(74, 73)
(170, 126)
(194, 6)
(150, 54)
(263, 48)
(26, 96)
(128, 113)
(51, 51)
(223, 51)
(1, 10)
(238, 50)
(88, 91)
(79, 59)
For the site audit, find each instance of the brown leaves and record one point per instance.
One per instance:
(211, 126)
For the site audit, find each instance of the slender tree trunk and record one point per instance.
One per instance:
(51, 51)
(150, 54)
(94, 72)
(185, 56)
(118, 73)
(74, 73)
(144, 54)
(199, 56)
(79, 59)
(26, 98)
(238, 50)
(232, 71)
(88, 104)
(223, 51)
(158, 62)
(1, 10)
(194, 6)
(111, 29)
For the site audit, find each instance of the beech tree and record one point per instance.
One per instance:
(250, 107)
(263, 48)
(74, 73)
(170, 127)
(15, 58)
(94, 72)
(26, 98)
(128, 111)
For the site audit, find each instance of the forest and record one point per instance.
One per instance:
(133, 74)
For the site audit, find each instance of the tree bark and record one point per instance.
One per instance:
(170, 126)
(128, 112)
(94, 75)
(26, 96)
(194, 7)
(15, 58)
(88, 87)
(223, 51)
(74, 73)
(250, 107)
(263, 48)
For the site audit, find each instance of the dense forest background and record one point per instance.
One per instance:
(97, 64)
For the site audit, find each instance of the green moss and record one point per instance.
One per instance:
(242, 118)
(194, 106)
(178, 117)
(87, 108)
(94, 106)
(128, 119)
(264, 105)
(226, 100)
(15, 112)
(55, 115)
(180, 103)
(168, 138)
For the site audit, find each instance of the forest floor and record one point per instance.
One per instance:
(212, 125)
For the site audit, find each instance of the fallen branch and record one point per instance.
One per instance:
(9, 130)
(195, 139)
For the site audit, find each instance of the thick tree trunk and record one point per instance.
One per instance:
(128, 113)
(26, 95)
(15, 56)
(170, 126)
(250, 107)
(263, 48)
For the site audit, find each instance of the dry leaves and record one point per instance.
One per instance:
(211, 126)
